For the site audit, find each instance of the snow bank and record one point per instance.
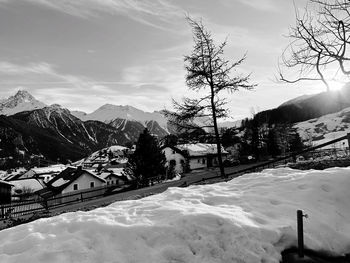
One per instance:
(249, 219)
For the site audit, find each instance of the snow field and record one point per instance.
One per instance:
(249, 219)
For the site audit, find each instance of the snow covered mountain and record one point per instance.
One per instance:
(326, 128)
(21, 101)
(109, 113)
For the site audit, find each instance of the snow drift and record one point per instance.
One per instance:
(248, 219)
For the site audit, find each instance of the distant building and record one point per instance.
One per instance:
(175, 156)
(115, 154)
(74, 179)
(114, 176)
(199, 155)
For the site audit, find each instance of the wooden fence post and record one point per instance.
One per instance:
(348, 135)
(300, 233)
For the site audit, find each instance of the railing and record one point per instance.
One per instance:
(23, 208)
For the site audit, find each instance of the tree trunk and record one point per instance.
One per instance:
(217, 136)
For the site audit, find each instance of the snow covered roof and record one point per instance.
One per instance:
(37, 171)
(200, 149)
(31, 183)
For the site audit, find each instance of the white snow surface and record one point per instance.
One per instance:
(326, 128)
(248, 219)
(110, 112)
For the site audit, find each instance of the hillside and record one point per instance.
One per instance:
(326, 128)
(307, 107)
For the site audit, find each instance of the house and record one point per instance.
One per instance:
(202, 155)
(114, 154)
(175, 157)
(74, 179)
(198, 155)
(114, 176)
(5, 192)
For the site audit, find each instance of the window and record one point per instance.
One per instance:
(75, 187)
(92, 184)
(198, 160)
(203, 161)
(107, 182)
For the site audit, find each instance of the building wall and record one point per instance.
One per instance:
(201, 162)
(198, 162)
(83, 183)
(114, 180)
(170, 154)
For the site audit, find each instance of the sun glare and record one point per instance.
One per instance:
(335, 85)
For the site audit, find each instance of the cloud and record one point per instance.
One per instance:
(45, 82)
(263, 5)
(40, 75)
(148, 12)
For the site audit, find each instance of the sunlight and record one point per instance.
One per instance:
(335, 85)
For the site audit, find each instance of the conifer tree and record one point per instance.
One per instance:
(208, 72)
(148, 160)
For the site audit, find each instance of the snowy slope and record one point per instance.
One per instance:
(249, 219)
(326, 128)
(109, 112)
(21, 101)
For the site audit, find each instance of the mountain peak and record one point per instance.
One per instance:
(23, 94)
(21, 101)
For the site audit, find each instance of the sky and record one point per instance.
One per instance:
(82, 54)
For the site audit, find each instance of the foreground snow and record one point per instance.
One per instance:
(249, 219)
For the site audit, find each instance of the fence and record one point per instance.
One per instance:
(282, 160)
(23, 208)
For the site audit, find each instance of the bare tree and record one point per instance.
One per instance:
(319, 41)
(207, 71)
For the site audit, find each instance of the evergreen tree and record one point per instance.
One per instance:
(272, 145)
(296, 143)
(148, 160)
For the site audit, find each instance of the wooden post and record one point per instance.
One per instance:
(300, 233)
(81, 197)
(2, 211)
(348, 140)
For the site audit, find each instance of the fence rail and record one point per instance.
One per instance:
(39, 204)
(276, 162)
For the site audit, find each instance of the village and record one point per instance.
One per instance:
(100, 172)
